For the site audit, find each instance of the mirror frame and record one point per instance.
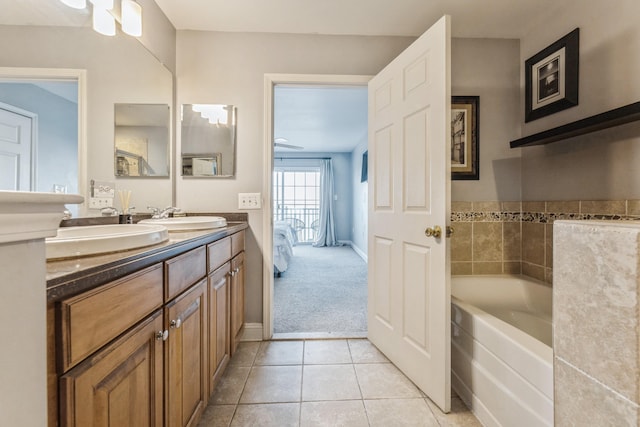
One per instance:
(80, 75)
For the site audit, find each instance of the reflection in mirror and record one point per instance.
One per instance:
(38, 134)
(208, 140)
(141, 140)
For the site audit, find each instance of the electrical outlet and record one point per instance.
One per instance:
(249, 201)
(100, 202)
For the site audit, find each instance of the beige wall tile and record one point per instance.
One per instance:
(533, 207)
(487, 268)
(460, 206)
(533, 270)
(533, 243)
(487, 241)
(512, 241)
(486, 206)
(548, 245)
(461, 269)
(595, 302)
(548, 275)
(633, 207)
(571, 206)
(512, 267)
(603, 207)
(461, 242)
(511, 206)
(581, 401)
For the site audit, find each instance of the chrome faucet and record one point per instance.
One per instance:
(66, 214)
(164, 213)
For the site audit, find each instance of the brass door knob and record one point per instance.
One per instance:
(436, 232)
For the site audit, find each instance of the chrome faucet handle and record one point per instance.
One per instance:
(66, 214)
(155, 212)
(167, 211)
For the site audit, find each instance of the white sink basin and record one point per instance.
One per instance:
(184, 223)
(97, 239)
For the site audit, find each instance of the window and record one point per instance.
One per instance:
(296, 199)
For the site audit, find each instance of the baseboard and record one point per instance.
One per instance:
(252, 332)
(359, 252)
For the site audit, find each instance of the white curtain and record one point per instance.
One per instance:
(326, 226)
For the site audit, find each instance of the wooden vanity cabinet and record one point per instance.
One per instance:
(149, 348)
(119, 386)
(186, 319)
(237, 290)
(219, 299)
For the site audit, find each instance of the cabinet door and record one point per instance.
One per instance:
(218, 323)
(119, 386)
(237, 299)
(186, 358)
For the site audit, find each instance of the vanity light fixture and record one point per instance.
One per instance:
(106, 12)
(76, 4)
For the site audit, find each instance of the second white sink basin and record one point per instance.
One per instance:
(97, 239)
(184, 223)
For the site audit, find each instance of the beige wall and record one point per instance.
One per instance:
(602, 165)
(490, 68)
(229, 68)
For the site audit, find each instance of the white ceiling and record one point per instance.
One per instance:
(320, 118)
(470, 18)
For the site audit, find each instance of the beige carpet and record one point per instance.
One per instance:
(323, 290)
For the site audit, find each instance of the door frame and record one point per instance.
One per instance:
(80, 76)
(270, 81)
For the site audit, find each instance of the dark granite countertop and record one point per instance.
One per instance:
(69, 277)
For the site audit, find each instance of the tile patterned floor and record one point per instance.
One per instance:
(322, 383)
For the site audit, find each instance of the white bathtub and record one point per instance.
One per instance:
(501, 355)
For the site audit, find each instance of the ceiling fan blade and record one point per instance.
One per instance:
(293, 147)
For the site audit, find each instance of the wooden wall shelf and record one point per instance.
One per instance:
(615, 117)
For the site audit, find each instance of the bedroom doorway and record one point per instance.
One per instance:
(317, 290)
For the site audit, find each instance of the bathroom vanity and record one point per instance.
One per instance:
(143, 336)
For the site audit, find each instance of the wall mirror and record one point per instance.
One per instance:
(112, 70)
(208, 140)
(141, 140)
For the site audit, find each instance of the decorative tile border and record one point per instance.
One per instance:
(535, 217)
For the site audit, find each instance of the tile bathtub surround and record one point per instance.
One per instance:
(322, 383)
(597, 323)
(517, 237)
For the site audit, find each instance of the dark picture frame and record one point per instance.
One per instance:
(551, 78)
(364, 172)
(465, 140)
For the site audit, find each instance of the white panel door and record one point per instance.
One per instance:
(15, 150)
(409, 191)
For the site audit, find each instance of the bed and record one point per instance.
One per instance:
(284, 239)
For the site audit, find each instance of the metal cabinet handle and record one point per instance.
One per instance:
(449, 231)
(162, 335)
(175, 324)
(436, 232)
(232, 273)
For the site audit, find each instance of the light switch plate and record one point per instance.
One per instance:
(249, 201)
(100, 202)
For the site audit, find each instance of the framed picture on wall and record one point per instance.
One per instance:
(551, 78)
(465, 141)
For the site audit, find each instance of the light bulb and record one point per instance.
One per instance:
(76, 4)
(103, 22)
(102, 4)
(131, 18)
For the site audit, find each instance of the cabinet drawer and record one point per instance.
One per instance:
(92, 319)
(218, 253)
(237, 243)
(184, 270)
